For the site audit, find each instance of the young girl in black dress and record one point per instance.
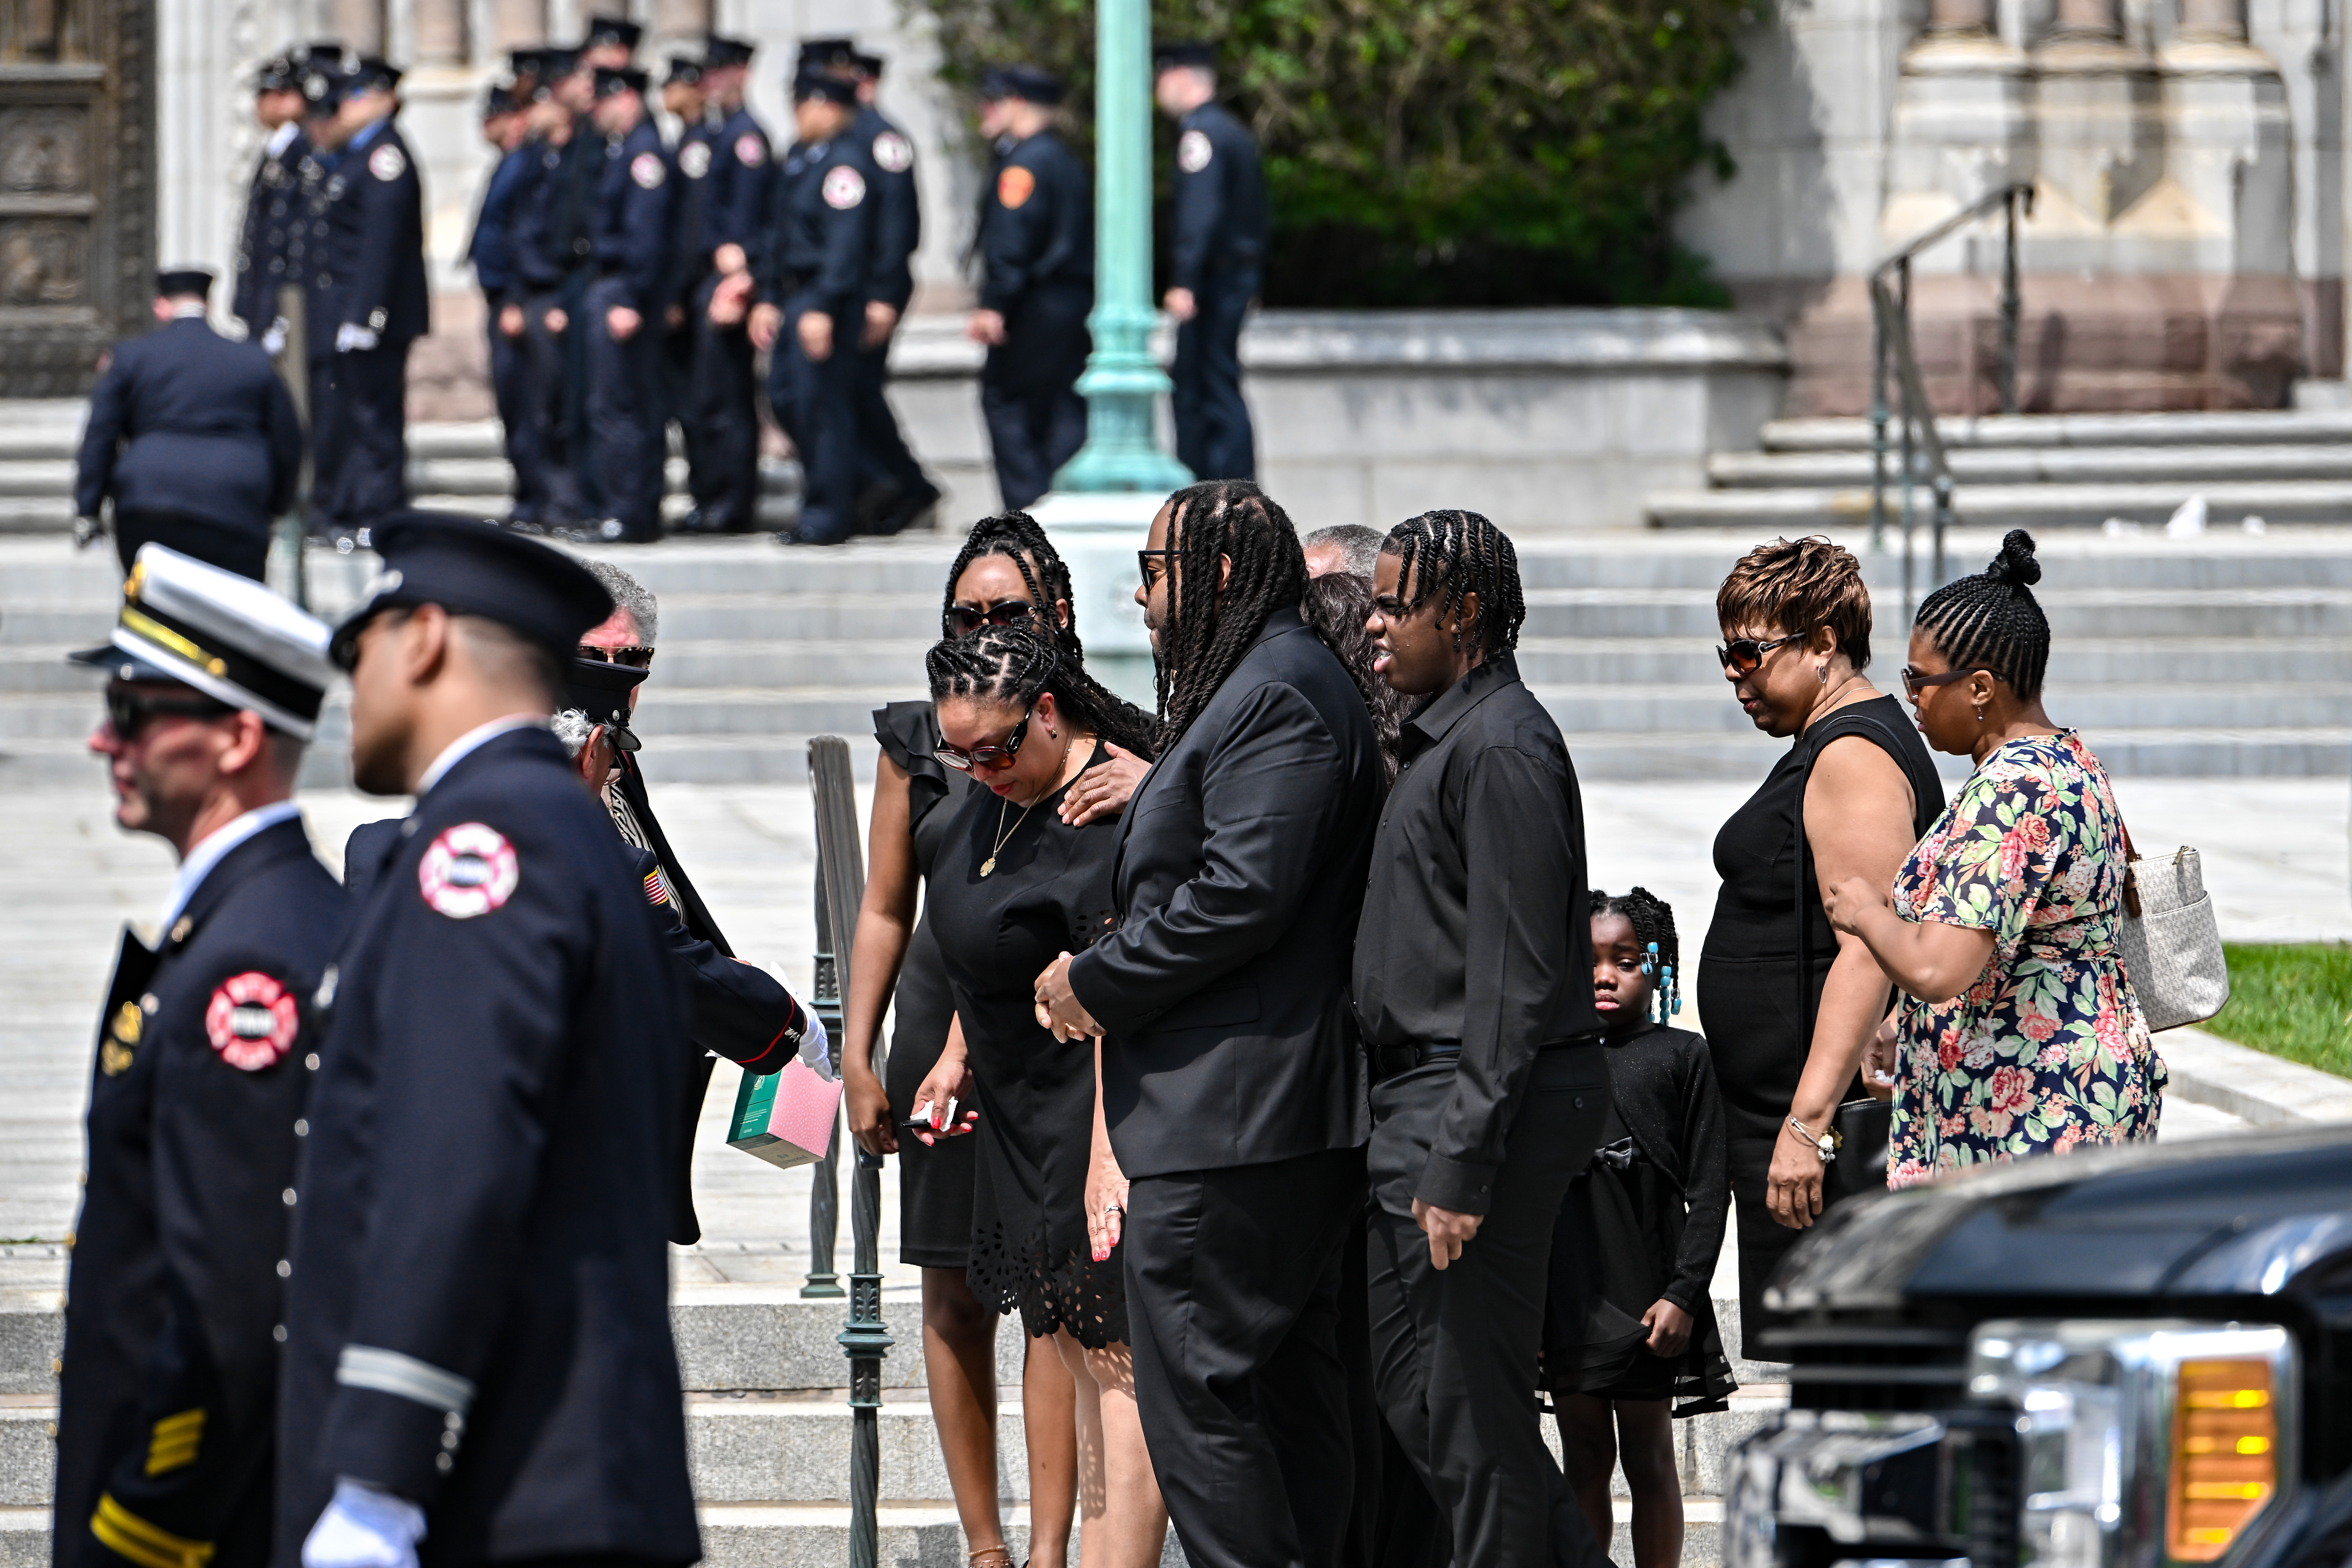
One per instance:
(1630, 1336)
(1012, 886)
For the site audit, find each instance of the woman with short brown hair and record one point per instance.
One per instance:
(1786, 1003)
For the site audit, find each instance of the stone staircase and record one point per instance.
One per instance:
(2218, 655)
(768, 1429)
(2041, 471)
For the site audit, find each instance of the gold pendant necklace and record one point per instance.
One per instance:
(1003, 834)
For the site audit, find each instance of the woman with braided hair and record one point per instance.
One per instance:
(2018, 1032)
(1006, 571)
(1012, 886)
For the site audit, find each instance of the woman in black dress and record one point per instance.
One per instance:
(1014, 886)
(1006, 570)
(1787, 1005)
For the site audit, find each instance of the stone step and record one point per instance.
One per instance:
(816, 1535)
(2247, 427)
(2193, 465)
(2051, 506)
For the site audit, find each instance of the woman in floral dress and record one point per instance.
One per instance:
(2018, 1032)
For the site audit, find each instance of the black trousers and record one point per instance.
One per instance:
(1028, 391)
(244, 550)
(1456, 1349)
(1764, 1242)
(812, 402)
(510, 389)
(624, 418)
(359, 442)
(884, 460)
(1213, 423)
(1233, 1308)
(547, 385)
(722, 426)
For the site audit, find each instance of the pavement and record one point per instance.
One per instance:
(2274, 859)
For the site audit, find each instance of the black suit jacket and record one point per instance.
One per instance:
(478, 1314)
(168, 1394)
(1241, 871)
(185, 421)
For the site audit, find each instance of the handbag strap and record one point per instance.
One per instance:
(2131, 860)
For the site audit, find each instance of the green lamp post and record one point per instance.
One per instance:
(1102, 499)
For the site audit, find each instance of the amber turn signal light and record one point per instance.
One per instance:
(2224, 1455)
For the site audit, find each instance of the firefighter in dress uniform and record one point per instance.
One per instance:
(478, 1355)
(811, 291)
(629, 235)
(735, 207)
(689, 172)
(167, 1397)
(273, 201)
(1037, 285)
(506, 128)
(1217, 258)
(543, 231)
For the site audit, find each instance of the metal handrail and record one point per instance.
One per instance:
(1892, 347)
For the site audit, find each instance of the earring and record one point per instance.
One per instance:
(1980, 715)
(1821, 673)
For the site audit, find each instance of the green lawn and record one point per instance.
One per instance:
(2293, 1000)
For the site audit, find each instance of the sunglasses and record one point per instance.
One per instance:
(1144, 558)
(965, 619)
(989, 757)
(1743, 656)
(635, 658)
(1915, 683)
(129, 712)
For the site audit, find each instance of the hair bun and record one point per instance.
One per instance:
(2015, 564)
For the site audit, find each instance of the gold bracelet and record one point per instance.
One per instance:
(1826, 1145)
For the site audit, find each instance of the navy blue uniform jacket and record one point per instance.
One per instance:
(185, 421)
(273, 207)
(1240, 877)
(741, 166)
(370, 270)
(478, 1314)
(1037, 223)
(898, 215)
(168, 1394)
(631, 230)
(819, 237)
(1220, 217)
(492, 249)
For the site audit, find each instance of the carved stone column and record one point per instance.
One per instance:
(517, 24)
(440, 33)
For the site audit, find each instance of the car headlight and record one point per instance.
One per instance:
(2141, 1442)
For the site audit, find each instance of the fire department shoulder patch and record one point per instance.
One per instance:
(251, 1020)
(469, 870)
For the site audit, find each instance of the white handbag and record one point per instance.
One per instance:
(2168, 940)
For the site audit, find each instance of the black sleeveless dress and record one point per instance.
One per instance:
(1048, 892)
(934, 1181)
(1748, 998)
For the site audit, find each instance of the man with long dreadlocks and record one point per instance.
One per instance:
(1232, 1080)
(1474, 989)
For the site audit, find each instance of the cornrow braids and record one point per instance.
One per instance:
(1461, 554)
(1652, 920)
(1018, 537)
(1017, 665)
(1205, 637)
(1992, 621)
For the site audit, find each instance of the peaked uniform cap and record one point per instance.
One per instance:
(611, 82)
(1170, 57)
(227, 637)
(606, 30)
(601, 691)
(472, 567)
(718, 51)
(1024, 82)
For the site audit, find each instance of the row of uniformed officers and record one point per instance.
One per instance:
(380, 1173)
(631, 283)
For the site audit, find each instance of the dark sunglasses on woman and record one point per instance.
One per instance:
(1914, 682)
(634, 656)
(1744, 656)
(130, 711)
(989, 757)
(965, 619)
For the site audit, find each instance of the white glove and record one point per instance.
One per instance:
(364, 1528)
(815, 1048)
(350, 335)
(273, 342)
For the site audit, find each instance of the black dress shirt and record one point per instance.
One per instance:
(1474, 930)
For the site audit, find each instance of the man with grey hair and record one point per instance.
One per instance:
(1347, 547)
(626, 640)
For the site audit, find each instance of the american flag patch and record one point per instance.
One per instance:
(657, 888)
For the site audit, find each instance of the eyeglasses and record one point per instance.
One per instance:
(1915, 683)
(965, 619)
(129, 712)
(635, 658)
(991, 757)
(1144, 558)
(1743, 656)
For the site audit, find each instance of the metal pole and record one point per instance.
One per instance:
(2009, 308)
(1123, 384)
(1903, 316)
(824, 1189)
(294, 368)
(864, 1341)
(1877, 430)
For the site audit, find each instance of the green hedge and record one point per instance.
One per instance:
(1438, 152)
